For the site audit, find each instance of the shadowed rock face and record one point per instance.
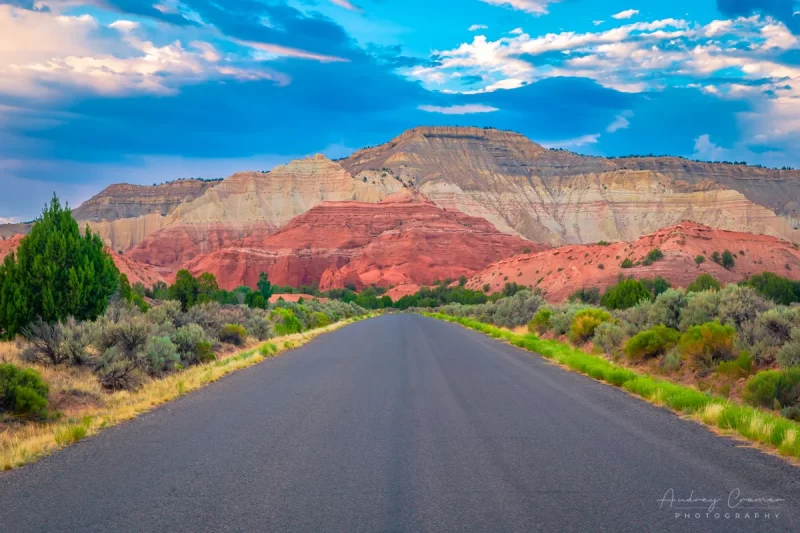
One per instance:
(404, 239)
(560, 271)
(559, 197)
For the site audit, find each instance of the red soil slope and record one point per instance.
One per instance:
(136, 272)
(404, 239)
(561, 271)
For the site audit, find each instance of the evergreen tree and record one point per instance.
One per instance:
(265, 287)
(55, 273)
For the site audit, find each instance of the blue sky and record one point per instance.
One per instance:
(94, 92)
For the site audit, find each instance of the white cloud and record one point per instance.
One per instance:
(536, 7)
(621, 122)
(39, 50)
(598, 22)
(577, 142)
(458, 109)
(706, 150)
(478, 27)
(346, 4)
(628, 13)
(9, 220)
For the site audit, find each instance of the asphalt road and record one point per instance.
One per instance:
(402, 423)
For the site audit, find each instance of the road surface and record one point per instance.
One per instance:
(403, 423)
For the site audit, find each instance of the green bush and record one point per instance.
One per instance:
(540, 323)
(627, 263)
(707, 345)
(586, 322)
(55, 273)
(789, 354)
(188, 340)
(773, 389)
(667, 308)
(779, 290)
(704, 282)
(161, 355)
(738, 305)
(609, 337)
(22, 391)
(320, 320)
(233, 334)
(651, 343)
(625, 294)
(563, 315)
(739, 368)
(258, 327)
(653, 256)
(699, 260)
(590, 296)
(285, 321)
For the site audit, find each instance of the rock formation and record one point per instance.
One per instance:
(404, 239)
(559, 272)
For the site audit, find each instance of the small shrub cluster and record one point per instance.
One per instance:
(625, 294)
(22, 391)
(586, 322)
(651, 343)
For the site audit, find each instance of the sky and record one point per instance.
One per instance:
(94, 92)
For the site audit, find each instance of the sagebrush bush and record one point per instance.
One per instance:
(259, 327)
(233, 334)
(128, 334)
(44, 343)
(166, 312)
(636, 318)
(701, 307)
(625, 294)
(707, 345)
(22, 391)
(540, 323)
(789, 354)
(187, 339)
(585, 322)
(773, 389)
(285, 322)
(738, 304)
(671, 362)
(514, 311)
(160, 355)
(609, 337)
(651, 343)
(116, 371)
(562, 317)
(667, 308)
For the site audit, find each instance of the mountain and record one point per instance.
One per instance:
(558, 197)
(403, 239)
(561, 271)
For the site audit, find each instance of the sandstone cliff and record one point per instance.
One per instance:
(404, 239)
(558, 197)
(561, 271)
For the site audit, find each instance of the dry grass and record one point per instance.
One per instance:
(87, 409)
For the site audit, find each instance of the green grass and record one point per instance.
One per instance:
(765, 428)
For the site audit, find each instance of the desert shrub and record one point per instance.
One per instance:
(701, 307)
(44, 343)
(540, 323)
(168, 312)
(627, 263)
(776, 288)
(233, 334)
(590, 296)
(259, 327)
(707, 345)
(704, 282)
(653, 256)
(22, 391)
(562, 317)
(625, 294)
(204, 352)
(609, 337)
(130, 336)
(728, 260)
(671, 362)
(739, 368)
(651, 343)
(320, 319)
(738, 304)
(285, 322)
(187, 339)
(117, 371)
(656, 286)
(514, 311)
(636, 318)
(789, 355)
(667, 308)
(774, 389)
(75, 339)
(699, 260)
(160, 355)
(586, 322)
(208, 316)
